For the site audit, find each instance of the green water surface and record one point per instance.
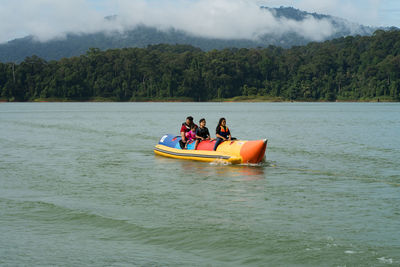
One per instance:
(81, 186)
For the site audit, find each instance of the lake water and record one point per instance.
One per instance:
(80, 185)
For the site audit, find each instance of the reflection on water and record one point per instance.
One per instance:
(218, 169)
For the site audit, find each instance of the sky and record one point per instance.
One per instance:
(49, 19)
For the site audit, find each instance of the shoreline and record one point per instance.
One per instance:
(188, 100)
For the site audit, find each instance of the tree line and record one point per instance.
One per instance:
(349, 68)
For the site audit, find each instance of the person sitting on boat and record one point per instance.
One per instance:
(202, 133)
(191, 135)
(222, 133)
(184, 129)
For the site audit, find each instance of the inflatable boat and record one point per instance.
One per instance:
(234, 151)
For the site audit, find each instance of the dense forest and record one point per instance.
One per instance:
(350, 68)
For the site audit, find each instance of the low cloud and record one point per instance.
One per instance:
(219, 19)
(48, 19)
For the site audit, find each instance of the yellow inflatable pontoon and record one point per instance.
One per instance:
(235, 151)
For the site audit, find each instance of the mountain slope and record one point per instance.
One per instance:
(141, 36)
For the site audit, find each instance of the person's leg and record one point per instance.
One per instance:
(196, 144)
(182, 144)
(219, 141)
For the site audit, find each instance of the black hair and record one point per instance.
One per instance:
(202, 120)
(190, 118)
(220, 121)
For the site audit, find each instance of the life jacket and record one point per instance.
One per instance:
(224, 130)
(187, 127)
(190, 135)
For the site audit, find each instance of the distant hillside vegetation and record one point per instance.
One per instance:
(141, 36)
(348, 68)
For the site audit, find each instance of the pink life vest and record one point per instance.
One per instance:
(190, 135)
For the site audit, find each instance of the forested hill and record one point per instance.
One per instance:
(142, 36)
(351, 68)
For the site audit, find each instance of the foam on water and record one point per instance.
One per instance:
(220, 162)
(385, 260)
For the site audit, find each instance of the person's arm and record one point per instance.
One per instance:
(183, 137)
(197, 136)
(208, 135)
(220, 136)
(183, 132)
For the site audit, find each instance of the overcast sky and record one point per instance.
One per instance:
(47, 19)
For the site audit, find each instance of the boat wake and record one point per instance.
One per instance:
(220, 162)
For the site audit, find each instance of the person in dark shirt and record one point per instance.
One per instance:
(222, 132)
(184, 129)
(202, 133)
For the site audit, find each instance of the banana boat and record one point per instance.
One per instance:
(234, 151)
